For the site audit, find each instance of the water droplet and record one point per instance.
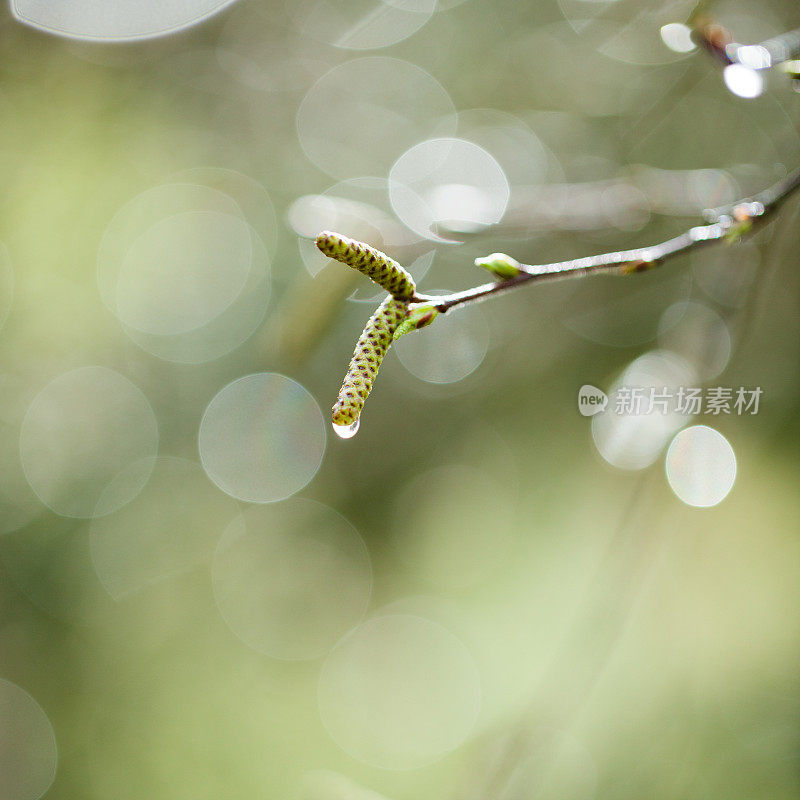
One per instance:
(346, 431)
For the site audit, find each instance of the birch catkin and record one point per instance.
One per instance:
(370, 350)
(385, 271)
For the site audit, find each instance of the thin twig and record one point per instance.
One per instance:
(637, 190)
(728, 222)
(719, 42)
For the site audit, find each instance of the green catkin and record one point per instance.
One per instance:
(385, 271)
(370, 350)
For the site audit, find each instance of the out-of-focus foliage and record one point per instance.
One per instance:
(482, 595)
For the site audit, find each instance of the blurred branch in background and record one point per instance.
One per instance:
(718, 40)
(639, 191)
(743, 63)
(625, 200)
(728, 223)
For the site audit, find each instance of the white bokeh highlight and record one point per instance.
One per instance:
(399, 692)
(28, 751)
(634, 441)
(701, 466)
(743, 81)
(290, 579)
(448, 182)
(80, 434)
(110, 21)
(262, 438)
(678, 37)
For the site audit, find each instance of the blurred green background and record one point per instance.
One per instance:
(204, 593)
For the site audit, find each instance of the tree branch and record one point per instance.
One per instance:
(718, 41)
(405, 310)
(726, 223)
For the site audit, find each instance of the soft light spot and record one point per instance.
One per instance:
(359, 206)
(448, 182)
(183, 272)
(262, 438)
(362, 24)
(28, 752)
(226, 331)
(699, 335)
(629, 315)
(634, 438)
(169, 283)
(110, 21)
(291, 579)
(171, 527)
(755, 56)
(678, 37)
(743, 81)
(79, 434)
(360, 114)
(447, 351)
(628, 30)
(726, 274)
(701, 466)
(399, 692)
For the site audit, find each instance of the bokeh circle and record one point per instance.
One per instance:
(97, 19)
(290, 579)
(79, 434)
(399, 692)
(701, 466)
(28, 751)
(262, 438)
